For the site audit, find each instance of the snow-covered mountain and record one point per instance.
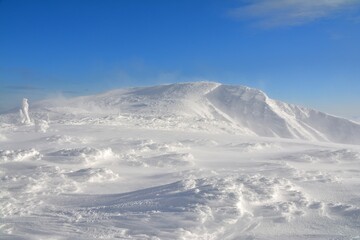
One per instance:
(239, 109)
(179, 161)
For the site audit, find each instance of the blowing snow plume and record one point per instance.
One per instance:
(178, 161)
(207, 106)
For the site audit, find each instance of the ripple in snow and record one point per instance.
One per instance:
(252, 147)
(93, 175)
(82, 155)
(151, 146)
(325, 156)
(208, 206)
(61, 139)
(162, 160)
(148, 153)
(348, 211)
(314, 176)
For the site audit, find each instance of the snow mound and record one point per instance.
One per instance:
(200, 142)
(149, 153)
(315, 176)
(41, 126)
(63, 139)
(93, 175)
(82, 155)
(348, 211)
(162, 160)
(329, 156)
(253, 147)
(19, 155)
(341, 155)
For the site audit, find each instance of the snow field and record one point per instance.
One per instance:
(19, 155)
(188, 161)
(265, 196)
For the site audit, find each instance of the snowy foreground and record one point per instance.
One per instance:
(181, 161)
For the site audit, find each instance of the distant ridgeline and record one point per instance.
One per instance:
(238, 109)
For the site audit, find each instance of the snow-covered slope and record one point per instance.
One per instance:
(253, 109)
(213, 107)
(356, 119)
(175, 162)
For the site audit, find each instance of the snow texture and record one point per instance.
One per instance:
(205, 106)
(182, 161)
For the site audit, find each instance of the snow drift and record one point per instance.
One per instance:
(180, 161)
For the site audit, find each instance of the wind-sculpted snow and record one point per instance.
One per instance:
(162, 160)
(180, 161)
(149, 153)
(19, 155)
(93, 175)
(194, 208)
(206, 208)
(330, 156)
(253, 147)
(65, 139)
(24, 188)
(41, 126)
(202, 106)
(82, 155)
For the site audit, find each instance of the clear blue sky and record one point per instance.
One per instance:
(300, 51)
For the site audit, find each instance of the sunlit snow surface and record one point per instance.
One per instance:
(134, 173)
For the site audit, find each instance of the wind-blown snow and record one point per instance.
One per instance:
(204, 106)
(179, 161)
(18, 155)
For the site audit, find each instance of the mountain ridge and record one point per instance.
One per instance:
(249, 109)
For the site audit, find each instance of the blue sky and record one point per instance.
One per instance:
(299, 51)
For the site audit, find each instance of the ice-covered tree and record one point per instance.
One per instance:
(24, 112)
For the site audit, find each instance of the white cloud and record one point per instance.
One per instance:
(275, 13)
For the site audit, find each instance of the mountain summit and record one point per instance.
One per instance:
(238, 109)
